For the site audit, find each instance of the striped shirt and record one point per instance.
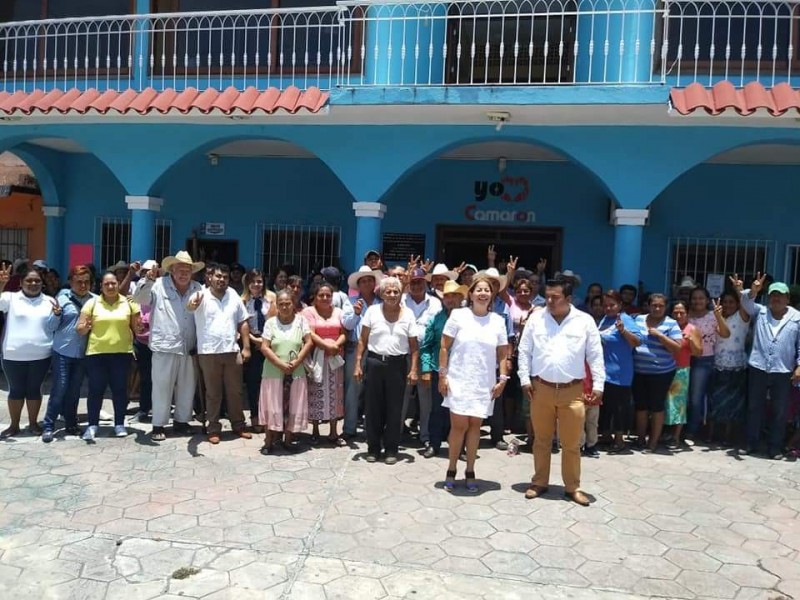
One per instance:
(652, 357)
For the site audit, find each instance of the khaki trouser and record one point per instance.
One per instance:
(222, 375)
(565, 407)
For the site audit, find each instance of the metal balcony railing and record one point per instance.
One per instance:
(406, 43)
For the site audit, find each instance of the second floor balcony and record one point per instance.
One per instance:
(354, 44)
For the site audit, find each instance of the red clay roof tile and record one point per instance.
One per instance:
(724, 97)
(208, 101)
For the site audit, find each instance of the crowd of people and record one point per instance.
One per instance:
(409, 347)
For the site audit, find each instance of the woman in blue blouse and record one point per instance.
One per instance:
(620, 335)
(653, 369)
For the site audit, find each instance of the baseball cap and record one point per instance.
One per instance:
(371, 253)
(40, 264)
(417, 274)
(778, 288)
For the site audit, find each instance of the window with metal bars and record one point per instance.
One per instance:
(112, 241)
(700, 257)
(14, 244)
(307, 248)
(163, 239)
(791, 273)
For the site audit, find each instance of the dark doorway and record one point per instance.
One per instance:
(456, 243)
(220, 251)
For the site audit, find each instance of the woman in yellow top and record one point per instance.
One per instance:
(110, 320)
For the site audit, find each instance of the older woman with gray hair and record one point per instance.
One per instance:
(388, 336)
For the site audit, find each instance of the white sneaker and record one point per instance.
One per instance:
(104, 416)
(120, 431)
(90, 433)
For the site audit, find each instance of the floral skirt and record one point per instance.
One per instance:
(326, 398)
(675, 410)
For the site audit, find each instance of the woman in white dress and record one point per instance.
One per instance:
(474, 343)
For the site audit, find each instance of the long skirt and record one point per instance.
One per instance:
(727, 398)
(675, 410)
(326, 398)
(270, 406)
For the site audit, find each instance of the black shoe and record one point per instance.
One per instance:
(591, 452)
(371, 458)
(47, 436)
(72, 431)
(390, 459)
(181, 428)
(555, 448)
(430, 452)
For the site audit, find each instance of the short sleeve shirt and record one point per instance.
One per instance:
(111, 325)
(385, 338)
(652, 357)
(218, 321)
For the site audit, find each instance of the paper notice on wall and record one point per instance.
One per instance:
(715, 284)
(80, 254)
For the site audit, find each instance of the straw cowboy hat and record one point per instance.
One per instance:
(569, 274)
(120, 264)
(182, 258)
(451, 287)
(441, 269)
(363, 271)
(686, 283)
(492, 273)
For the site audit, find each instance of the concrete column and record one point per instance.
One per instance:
(368, 229)
(55, 252)
(143, 225)
(629, 224)
(405, 44)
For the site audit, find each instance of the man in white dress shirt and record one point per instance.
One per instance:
(557, 344)
(425, 307)
(219, 314)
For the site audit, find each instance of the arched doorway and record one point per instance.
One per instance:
(22, 222)
(733, 213)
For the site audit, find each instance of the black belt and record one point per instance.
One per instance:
(389, 358)
(557, 386)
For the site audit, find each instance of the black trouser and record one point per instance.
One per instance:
(779, 387)
(144, 362)
(25, 378)
(252, 380)
(439, 424)
(384, 387)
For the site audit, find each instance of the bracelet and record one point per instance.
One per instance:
(442, 370)
(503, 378)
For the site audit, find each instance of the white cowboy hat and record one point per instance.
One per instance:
(493, 273)
(363, 271)
(451, 287)
(687, 282)
(441, 269)
(569, 274)
(149, 264)
(182, 258)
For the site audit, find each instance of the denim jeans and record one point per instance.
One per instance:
(439, 424)
(144, 361)
(353, 390)
(779, 386)
(699, 386)
(68, 374)
(108, 370)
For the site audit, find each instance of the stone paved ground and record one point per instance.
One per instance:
(116, 520)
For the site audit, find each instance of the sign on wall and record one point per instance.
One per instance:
(399, 246)
(213, 229)
(498, 201)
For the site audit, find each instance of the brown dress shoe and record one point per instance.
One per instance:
(246, 435)
(578, 497)
(213, 438)
(534, 491)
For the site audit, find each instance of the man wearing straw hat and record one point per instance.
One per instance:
(172, 340)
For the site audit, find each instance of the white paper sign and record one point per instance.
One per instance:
(715, 284)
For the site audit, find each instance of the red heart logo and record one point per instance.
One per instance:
(516, 189)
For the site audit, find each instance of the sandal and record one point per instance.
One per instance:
(472, 485)
(266, 449)
(450, 480)
(314, 441)
(9, 432)
(338, 441)
(35, 429)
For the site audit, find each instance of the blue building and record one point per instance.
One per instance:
(627, 140)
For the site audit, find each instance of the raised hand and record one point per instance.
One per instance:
(511, 265)
(460, 268)
(5, 275)
(717, 307)
(737, 283)
(758, 283)
(427, 266)
(491, 255)
(56, 307)
(413, 261)
(195, 301)
(541, 265)
(135, 267)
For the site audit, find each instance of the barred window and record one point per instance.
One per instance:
(307, 248)
(13, 243)
(112, 241)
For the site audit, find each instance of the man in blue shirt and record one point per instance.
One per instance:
(774, 364)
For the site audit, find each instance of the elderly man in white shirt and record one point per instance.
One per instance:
(172, 340)
(557, 343)
(424, 306)
(219, 314)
